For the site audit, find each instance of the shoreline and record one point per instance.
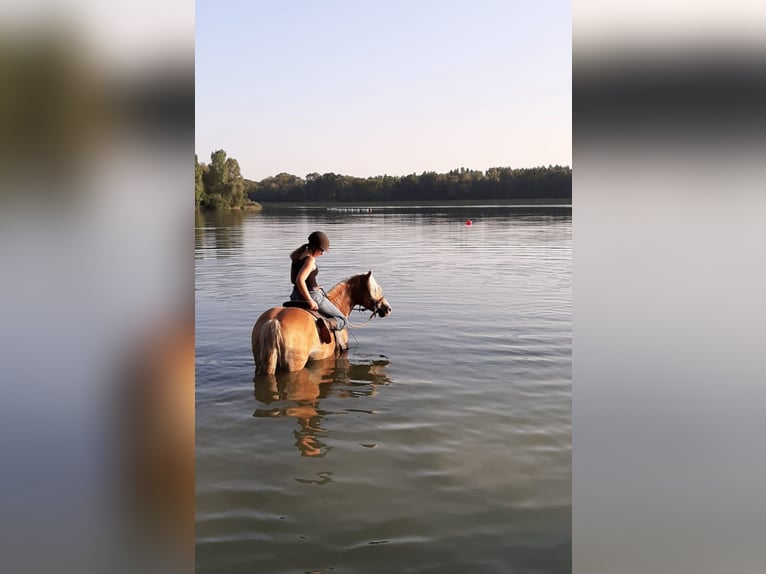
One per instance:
(564, 202)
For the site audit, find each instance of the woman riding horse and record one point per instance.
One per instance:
(303, 276)
(286, 338)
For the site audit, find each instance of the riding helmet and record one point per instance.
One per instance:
(319, 240)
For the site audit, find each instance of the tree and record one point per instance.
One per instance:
(217, 174)
(234, 187)
(199, 187)
(222, 183)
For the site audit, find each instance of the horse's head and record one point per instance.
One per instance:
(372, 297)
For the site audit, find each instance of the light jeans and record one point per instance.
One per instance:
(326, 307)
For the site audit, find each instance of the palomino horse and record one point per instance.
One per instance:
(286, 338)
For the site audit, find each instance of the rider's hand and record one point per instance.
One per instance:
(313, 305)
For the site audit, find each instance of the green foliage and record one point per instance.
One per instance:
(552, 182)
(220, 184)
(199, 187)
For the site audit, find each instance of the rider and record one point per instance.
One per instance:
(303, 273)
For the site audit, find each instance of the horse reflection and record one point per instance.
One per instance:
(304, 390)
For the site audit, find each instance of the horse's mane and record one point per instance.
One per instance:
(350, 284)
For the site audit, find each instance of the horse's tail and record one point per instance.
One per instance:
(270, 349)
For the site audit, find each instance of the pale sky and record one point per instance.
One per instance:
(367, 88)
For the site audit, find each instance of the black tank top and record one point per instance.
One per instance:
(311, 279)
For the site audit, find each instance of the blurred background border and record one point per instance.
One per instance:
(96, 244)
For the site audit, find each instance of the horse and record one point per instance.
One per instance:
(286, 338)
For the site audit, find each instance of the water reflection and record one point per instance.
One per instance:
(220, 232)
(299, 394)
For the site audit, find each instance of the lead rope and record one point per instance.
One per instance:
(363, 324)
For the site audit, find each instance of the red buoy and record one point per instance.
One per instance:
(469, 222)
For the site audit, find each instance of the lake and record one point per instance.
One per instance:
(441, 442)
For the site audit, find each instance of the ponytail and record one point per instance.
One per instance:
(299, 252)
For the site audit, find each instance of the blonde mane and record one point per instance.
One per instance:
(346, 294)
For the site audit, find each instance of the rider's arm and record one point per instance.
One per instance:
(300, 280)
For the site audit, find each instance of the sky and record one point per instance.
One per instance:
(383, 88)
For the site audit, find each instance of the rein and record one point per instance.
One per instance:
(359, 307)
(350, 324)
(375, 307)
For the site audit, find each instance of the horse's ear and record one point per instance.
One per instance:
(369, 273)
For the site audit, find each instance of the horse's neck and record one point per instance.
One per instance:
(341, 297)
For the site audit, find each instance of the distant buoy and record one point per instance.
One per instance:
(469, 222)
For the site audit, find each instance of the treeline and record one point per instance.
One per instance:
(552, 182)
(219, 184)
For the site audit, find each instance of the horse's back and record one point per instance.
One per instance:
(284, 338)
(291, 318)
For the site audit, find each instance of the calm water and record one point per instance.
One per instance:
(441, 443)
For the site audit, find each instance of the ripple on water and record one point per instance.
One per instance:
(442, 443)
